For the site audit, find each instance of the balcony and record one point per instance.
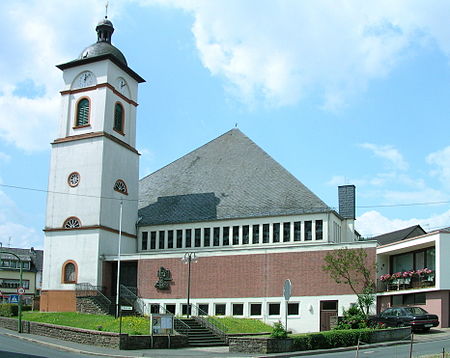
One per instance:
(407, 280)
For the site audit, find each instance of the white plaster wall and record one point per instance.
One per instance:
(79, 246)
(308, 319)
(443, 262)
(82, 201)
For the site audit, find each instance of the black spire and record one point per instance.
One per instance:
(104, 30)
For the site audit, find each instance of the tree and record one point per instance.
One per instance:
(353, 268)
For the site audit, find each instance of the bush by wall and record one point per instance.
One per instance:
(331, 339)
(8, 310)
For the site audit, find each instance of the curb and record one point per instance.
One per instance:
(65, 348)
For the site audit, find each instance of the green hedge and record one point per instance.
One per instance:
(331, 339)
(8, 310)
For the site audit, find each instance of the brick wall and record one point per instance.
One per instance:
(256, 275)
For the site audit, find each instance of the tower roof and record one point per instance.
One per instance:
(229, 177)
(103, 49)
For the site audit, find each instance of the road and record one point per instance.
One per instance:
(11, 347)
(397, 351)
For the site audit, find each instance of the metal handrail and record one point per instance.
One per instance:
(85, 289)
(133, 299)
(211, 323)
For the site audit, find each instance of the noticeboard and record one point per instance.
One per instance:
(161, 324)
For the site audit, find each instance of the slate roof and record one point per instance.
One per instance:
(399, 235)
(36, 258)
(229, 177)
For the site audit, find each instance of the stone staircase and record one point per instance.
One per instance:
(199, 336)
(93, 305)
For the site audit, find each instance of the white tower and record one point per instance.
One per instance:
(94, 168)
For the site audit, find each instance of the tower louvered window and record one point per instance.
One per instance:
(82, 113)
(118, 118)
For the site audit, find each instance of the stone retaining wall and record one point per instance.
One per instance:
(260, 345)
(95, 338)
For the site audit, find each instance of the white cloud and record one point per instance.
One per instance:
(12, 226)
(277, 51)
(373, 223)
(441, 159)
(388, 152)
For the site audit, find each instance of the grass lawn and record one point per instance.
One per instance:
(130, 325)
(242, 325)
(134, 325)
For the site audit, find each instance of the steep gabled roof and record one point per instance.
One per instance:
(399, 235)
(229, 177)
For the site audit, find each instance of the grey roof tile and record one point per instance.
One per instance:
(229, 177)
(399, 235)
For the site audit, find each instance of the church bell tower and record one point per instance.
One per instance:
(93, 181)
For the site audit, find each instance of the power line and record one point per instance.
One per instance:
(429, 203)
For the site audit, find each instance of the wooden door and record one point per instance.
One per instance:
(328, 309)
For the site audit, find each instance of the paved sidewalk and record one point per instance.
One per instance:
(219, 352)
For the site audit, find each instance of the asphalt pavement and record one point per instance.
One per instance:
(433, 335)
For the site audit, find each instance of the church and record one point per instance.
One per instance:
(219, 231)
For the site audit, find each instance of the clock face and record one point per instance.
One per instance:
(86, 79)
(121, 85)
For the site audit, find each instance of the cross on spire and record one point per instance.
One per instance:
(106, 9)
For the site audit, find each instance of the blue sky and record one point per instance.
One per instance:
(338, 92)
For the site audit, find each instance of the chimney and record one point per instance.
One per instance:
(347, 199)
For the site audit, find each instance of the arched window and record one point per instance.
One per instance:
(118, 118)
(121, 187)
(72, 223)
(69, 272)
(82, 113)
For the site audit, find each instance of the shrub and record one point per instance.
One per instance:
(353, 318)
(278, 331)
(8, 310)
(331, 339)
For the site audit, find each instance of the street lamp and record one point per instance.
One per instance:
(21, 286)
(187, 259)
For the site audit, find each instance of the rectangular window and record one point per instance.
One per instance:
(319, 229)
(220, 309)
(179, 238)
(216, 236)
(274, 309)
(198, 237)
(255, 238)
(188, 233)
(206, 236)
(144, 240)
(154, 308)
(161, 239)
(276, 232)
(184, 310)
(203, 309)
(238, 309)
(11, 283)
(226, 235)
(430, 262)
(293, 309)
(170, 239)
(308, 230)
(171, 308)
(297, 231)
(235, 235)
(26, 265)
(255, 309)
(266, 233)
(152, 240)
(286, 232)
(245, 233)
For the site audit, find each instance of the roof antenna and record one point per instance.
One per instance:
(106, 9)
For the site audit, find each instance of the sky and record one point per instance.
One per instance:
(338, 92)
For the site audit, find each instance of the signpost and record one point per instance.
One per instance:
(287, 291)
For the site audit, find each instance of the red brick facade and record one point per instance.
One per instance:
(235, 276)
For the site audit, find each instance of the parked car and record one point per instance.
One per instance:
(416, 317)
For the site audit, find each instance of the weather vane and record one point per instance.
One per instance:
(106, 9)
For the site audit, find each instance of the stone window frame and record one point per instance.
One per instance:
(64, 279)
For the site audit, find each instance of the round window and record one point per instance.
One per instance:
(73, 179)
